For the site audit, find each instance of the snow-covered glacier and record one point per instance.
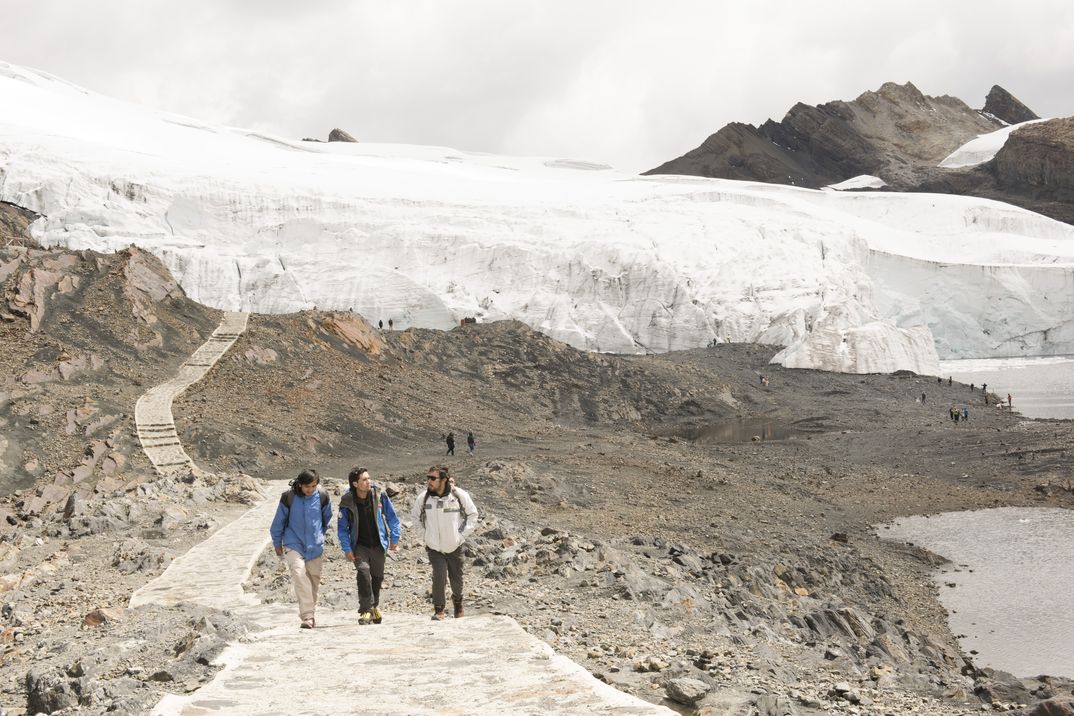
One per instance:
(598, 258)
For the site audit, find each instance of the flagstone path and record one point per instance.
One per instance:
(483, 664)
(153, 412)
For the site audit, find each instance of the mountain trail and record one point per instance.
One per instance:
(153, 412)
(494, 664)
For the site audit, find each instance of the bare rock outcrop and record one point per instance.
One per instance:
(1003, 105)
(1039, 160)
(339, 135)
(887, 133)
(15, 225)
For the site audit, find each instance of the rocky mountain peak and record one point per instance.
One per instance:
(339, 135)
(1002, 104)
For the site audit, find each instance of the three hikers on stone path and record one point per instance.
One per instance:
(368, 528)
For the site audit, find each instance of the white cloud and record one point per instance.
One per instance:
(627, 82)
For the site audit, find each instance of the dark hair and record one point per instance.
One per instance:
(442, 471)
(306, 477)
(354, 475)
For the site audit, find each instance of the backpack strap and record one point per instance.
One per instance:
(288, 497)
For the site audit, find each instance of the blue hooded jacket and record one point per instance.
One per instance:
(388, 527)
(303, 526)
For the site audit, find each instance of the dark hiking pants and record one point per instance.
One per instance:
(446, 566)
(369, 569)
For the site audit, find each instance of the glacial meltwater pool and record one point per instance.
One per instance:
(1013, 574)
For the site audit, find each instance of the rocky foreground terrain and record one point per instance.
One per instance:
(734, 576)
(899, 134)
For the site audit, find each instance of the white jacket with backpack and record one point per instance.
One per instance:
(447, 520)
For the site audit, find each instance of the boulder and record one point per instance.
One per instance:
(103, 615)
(49, 690)
(338, 135)
(1058, 706)
(995, 686)
(686, 691)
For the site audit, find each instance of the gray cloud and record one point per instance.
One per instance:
(630, 83)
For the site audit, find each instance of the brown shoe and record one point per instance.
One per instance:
(459, 612)
(439, 616)
(307, 624)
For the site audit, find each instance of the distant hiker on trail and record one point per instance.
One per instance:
(939, 380)
(391, 324)
(447, 515)
(471, 442)
(965, 414)
(1010, 402)
(380, 324)
(298, 531)
(922, 398)
(984, 387)
(367, 529)
(450, 440)
(948, 377)
(971, 387)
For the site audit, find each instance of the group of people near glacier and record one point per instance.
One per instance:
(368, 528)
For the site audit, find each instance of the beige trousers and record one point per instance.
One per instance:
(306, 576)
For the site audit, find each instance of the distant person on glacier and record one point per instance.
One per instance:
(380, 324)
(965, 414)
(471, 442)
(922, 398)
(450, 440)
(391, 324)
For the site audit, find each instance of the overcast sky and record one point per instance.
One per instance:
(627, 83)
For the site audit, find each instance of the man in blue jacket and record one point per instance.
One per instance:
(298, 531)
(367, 528)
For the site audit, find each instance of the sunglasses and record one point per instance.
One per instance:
(434, 478)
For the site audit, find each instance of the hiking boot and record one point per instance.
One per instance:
(440, 615)
(459, 611)
(377, 616)
(306, 624)
(365, 618)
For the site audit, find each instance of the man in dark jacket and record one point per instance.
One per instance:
(367, 528)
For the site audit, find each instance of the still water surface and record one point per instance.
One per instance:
(1013, 576)
(1040, 387)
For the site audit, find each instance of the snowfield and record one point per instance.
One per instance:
(982, 148)
(598, 258)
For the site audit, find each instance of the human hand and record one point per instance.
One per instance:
(350, 556)
(279, 551)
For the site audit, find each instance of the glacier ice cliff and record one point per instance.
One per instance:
(597, 258)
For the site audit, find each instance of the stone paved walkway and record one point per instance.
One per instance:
(153, 412)
(407, 665)
(482, 664)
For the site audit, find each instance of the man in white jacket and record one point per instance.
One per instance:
(448, 516)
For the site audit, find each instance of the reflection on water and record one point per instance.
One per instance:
(741, 430)
(1013, 576)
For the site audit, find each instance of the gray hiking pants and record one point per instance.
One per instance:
(369, 571)
(446, 566)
